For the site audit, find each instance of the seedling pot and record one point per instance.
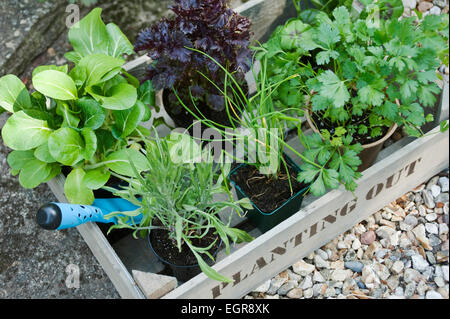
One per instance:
(183, 273)
(266, 221)
(370, 151)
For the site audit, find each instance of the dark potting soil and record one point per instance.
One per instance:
(363, 139)
(265, 192)
(167, 249)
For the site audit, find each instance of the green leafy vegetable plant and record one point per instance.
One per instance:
(177, 193)
(358, 78)
(86, 119)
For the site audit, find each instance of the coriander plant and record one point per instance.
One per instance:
(84, 122)
(179, 189)
(357, 79)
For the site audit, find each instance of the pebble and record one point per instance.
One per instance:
(409, 4)
(435, 190)
(398, 267)
(443, 183)
(302, 268)
(339, 275)
(320, 263)
(435, 10)
(306, 283)
(295, 293)
(264, 287)
(431, 217)
(317, 277)
(410, 275)
(400, 252)
(432, 228)
(368, 237)
(286, 287)
(419, 263)
(428, 198)
(355, 266)
(431, 294)
(445, 272)
(308, 293)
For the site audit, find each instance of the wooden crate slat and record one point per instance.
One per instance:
(267, 15)
(322, 220)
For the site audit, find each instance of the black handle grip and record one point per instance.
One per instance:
(49, 216)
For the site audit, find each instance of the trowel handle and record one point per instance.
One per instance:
(55, 216)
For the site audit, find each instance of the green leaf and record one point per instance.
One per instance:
(73, 56)
(42, 153)
(99, 67)
(66, 146)
(208, 271)
(90, 143)
(70, 119)
(23, 133)
(128, 120)
(427, 76)
(318, 187)
(119, 162)
(327, 35)
(34, 173)
(118, 44)
(18, 159)
(75, 190)
(89, 35)
(120, 97)
(330, 178)
(308, 173)
(13, 91)
(324, 57)
(444, 126)
(389, 110)
(245, 203)
(55, 84)
(408, 88)
(427, 94)
(92, 114)
(296, 35)
(62, 68)
(146, 94)
(333, 88)
(320, 103)
(96, 179)
(371, 96)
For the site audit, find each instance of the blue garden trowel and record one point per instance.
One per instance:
(56, 216)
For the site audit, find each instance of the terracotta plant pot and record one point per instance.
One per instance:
(370, 151)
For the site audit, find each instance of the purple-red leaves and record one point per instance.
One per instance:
(207, 25)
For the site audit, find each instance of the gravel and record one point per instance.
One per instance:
(406, 260)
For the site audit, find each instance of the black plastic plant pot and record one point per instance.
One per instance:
(266, 221)
(183, 273)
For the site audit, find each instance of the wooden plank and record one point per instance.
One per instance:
(322, 220)
(266, 15)
(102, 250)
